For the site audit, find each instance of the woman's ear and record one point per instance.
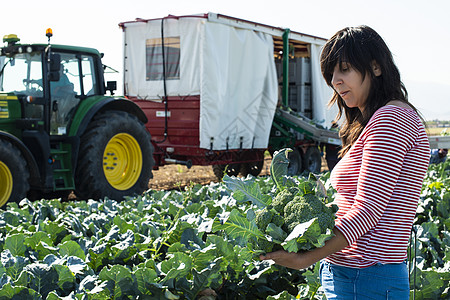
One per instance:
(376, 68)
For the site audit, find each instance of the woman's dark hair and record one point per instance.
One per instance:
(360, 47)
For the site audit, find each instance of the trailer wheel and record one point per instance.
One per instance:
(313, 160)
(231, 170)
(116, 157)
(252, 168)
(14, 174)
(295, 162)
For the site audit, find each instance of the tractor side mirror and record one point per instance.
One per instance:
(111, 86)
(55, 67)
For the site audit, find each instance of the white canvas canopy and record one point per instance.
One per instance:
(230, 65)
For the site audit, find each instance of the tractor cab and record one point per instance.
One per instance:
(50, 95)
(50, 81)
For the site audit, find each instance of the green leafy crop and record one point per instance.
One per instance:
(297, 217)
(183, 244)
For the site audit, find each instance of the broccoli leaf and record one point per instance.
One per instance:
(207, 277)
(18, 292)
(306, 236)
(66, 279)
(179, 265)
(15, 243)
(145, 277)
(309, 289)
(71, 248)
(43, 278)
(321, 191)
(237, 226)
(118, 280)
(279, 167)
(276, 233)
(247, 190)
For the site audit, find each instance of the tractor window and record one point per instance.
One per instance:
(154, 63)
(89, 80)
(70, 75)
(22, 74)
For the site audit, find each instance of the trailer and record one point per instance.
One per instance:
(222, 91)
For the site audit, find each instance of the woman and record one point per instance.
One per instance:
(384, 158)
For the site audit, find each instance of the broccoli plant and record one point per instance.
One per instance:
(294, 217)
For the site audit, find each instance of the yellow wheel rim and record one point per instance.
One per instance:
(122, 161)
(6, 185)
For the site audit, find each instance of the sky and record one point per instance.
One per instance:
(417, 32)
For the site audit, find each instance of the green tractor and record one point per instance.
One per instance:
(60, 133)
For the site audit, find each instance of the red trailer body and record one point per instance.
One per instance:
(180, 142)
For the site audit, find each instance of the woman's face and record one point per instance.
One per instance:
(349, 84)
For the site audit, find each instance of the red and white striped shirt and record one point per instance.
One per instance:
(378, 183)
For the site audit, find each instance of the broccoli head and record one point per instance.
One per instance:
(283, 198)
(266, 216)
(263, 218)
(304, 208)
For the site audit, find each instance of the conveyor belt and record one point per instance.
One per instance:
(317, 134)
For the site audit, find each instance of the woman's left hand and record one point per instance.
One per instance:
(291, 260)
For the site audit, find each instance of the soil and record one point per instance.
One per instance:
(176, 176)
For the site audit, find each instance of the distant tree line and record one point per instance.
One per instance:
(438, 123)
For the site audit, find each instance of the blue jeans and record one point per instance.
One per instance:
(389, 281)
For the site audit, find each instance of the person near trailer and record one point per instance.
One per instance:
(332, 151)
(438, 156)
(384, 159)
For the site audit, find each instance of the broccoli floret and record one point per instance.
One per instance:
(266, 216)
(334, 208)
(304, 208)
(314, 202)
(295, 212)
(283, 198)
(263, 218)
(326, 220)
(277, 220)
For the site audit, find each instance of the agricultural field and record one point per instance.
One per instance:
(191, 243)
(438, 130)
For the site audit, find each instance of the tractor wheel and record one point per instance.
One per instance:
(231, 170)
(252, 168)
(313, 160)
(116, 157)
(295, 162)
(14, 174)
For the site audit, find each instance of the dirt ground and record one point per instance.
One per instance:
(174, 176)
(177, 176)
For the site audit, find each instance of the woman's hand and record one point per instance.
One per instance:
(291, 260)
(305, 259)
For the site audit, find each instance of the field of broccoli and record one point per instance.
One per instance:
(199, 243)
